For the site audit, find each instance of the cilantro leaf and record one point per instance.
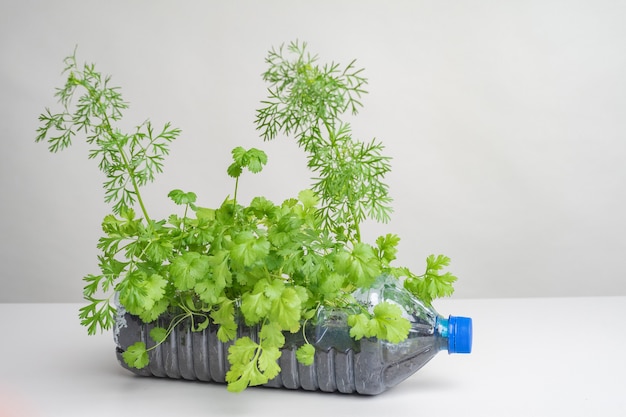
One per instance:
(98, 313)
(268, 362)
(234, 170)
(331, 285)
(386, 323)
(136, 355)
(159, 307)
(155, 287)
(262, 207)
(239, 155)
(361, 265)
(158, 250)
(271, 335)
(243, 350)
(286, 310)
(244, 370)
(308, 198)
(158, 334)
(139, 293)
(272, 289)
(220, 268)
(306, 354)
(255, 305)
(181, 198)
(210, 287)
(187, 269)
(433, 283)
(359, 326)
(224, 316)
(209, 291)
(248, 249)
(253, 159)
(387, 247)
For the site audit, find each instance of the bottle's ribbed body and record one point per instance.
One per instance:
(367, 367)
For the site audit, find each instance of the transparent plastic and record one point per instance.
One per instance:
(368, 366)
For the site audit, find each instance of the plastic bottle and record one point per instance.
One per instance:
(368, 366)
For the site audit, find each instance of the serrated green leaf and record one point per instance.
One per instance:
(387, 247)
(308, 198)
(268, 362)
(99, 313)
(240, 376)
(271, 335)
(239, 154)
(244, 370)
(255, 306)
(92, 284)
(155, 287)
(189, 268)
(433, 284)
(388, 323)
(243, 350)
(158, 334)
(330, 285)
(136, 356)
(181, 198)
(248, 249)
(220, 268)
(111, 266)
(224, 316)
(227, 332)
(234, 170)
(203, 213)
(262, 207)
(359, 326)
(306, 354)
(209, 291)
(158, 250)
(440, 285)
(159, 307)
(139, 293)
(286, 310)
(253, 159)
(256, 159)
(436, 263)
(272, 289)
(302, 293)
(360, 265)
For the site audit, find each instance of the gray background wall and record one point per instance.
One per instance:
(505, 121)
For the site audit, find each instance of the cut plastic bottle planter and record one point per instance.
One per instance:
(368, 366)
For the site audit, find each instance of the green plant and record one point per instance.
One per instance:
(264, 264)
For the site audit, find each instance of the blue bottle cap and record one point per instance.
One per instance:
(459, 334)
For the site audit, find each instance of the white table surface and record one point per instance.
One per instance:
(531, 357)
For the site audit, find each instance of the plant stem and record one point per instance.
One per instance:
(235, 195)
(333, 142)
(183, 229)
(109, 130)
(133, 180)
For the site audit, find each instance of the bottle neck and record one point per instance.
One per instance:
(456, 332)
